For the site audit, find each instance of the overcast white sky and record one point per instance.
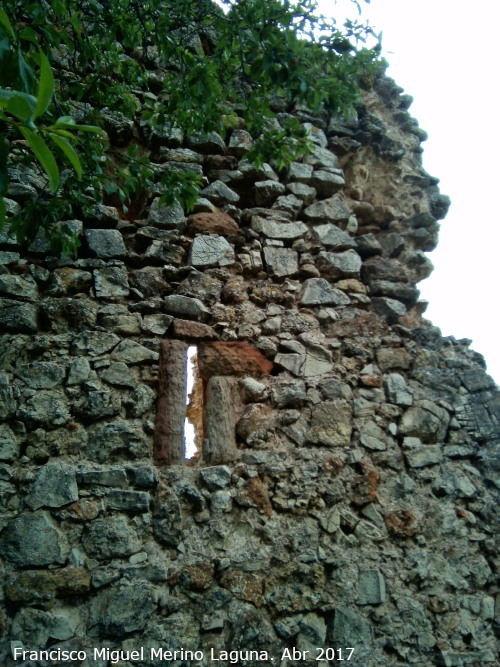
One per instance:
(444, 53)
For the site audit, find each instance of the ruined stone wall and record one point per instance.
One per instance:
(353, 498)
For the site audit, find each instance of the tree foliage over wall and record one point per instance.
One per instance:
(188, 64)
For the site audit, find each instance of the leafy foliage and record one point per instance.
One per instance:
(188, 64)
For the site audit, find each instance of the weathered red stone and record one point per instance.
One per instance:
(231, 359)
(216, 223)
(193, 330)
(366, 486)
(401, 522)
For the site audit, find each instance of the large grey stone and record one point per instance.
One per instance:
(96, 404)
(267, 191)
(240, 142)
(201, 286)
(140, 401)
(333, 237)
(33, 539)
(331, 424)
(328, 210)
(390, 309)
(305, 360)
(41, 374)
(7, 400)
(216, 477)
(300, 172)
(338, 265)
(128, 501)
(108, 476)
(166, 217)
(326, 182)
(288, 205)
(115, 439)
(304, 192)
(110, 537)
(35, 627)
(94, 343)
(9, 446)
(219, 194)
(373, 437)
(54, 486)
(110, 282)
(207, 251)
(186, 307)
(371, 589)
(350, 629)
(47, 408)
(418, 455)
(426, 421)
(122, 609)
(18, 317)
(210, 143)
(18, 287)
(396, 390)
(120, 375)
(105, 243)
(281, 262)
(319, 292)
(130, 352)
(41, 244)
(312, 633)
(273, 228)
(321, 157)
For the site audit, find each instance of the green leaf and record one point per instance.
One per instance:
(68, 123)
(44, 155)
(4, 174)
(6, 95)
(45, 87)
(2, 213)
(65, 120)
(69, 152)
(25, 71)
(4, 20)
(19, 106)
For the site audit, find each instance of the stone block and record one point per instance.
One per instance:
(54, 486)
(111, 281)
(33, 539)
(281, 262)
(110, 537)
(221, 358)
(18, 317)
(371, 587)
(105, 243)
(210, 251)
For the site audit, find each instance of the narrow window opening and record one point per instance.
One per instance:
(193, 424)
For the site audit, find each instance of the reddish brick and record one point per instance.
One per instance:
(231, 359)
(193, 330)
(216, 223)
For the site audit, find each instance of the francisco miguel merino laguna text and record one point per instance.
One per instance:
(114, 656)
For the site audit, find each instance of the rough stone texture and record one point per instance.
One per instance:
(281, 262)
(54, 486)
(328, 210)
(105, 243)
(318, 292)
(356, 500)
(33, 540)
(277, 229)
(212, 223)
(110, 538)
(207, 251)
(231, 359)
